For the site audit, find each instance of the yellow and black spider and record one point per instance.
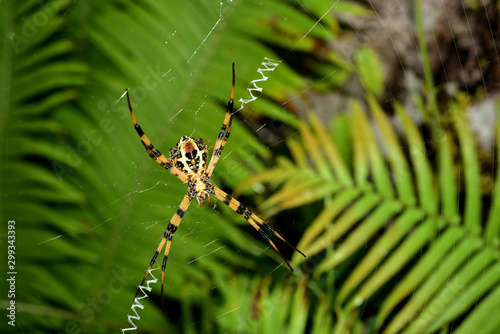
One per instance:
(188, 161)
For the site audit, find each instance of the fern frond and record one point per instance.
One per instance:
(396, 215)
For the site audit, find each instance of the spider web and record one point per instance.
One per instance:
(389, 32)
(255, 91)
(390, 19)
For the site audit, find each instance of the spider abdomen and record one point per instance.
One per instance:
(190, 155)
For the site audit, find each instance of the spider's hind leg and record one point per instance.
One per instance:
(254, 220)
(167, 238)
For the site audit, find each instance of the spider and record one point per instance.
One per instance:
(188, 162)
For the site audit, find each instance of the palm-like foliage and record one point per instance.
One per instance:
(89, 204)
(403, 242)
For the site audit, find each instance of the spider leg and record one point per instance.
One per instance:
(167, 238)
(224, 132)
(152, 151)
(254, 220)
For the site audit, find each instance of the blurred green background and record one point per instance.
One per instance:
(384, 185)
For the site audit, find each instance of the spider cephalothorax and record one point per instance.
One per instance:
(200, 188)
(189, 155)
(188, 162)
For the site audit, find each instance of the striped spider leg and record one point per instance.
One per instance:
(188, 162)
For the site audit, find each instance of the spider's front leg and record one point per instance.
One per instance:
(224, 133)
(152, 151)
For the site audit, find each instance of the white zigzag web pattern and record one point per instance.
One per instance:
(254, 90)
(138, 304)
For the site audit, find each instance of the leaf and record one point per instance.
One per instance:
(448, 181)
(469, 297)
(446, 242)
(370, 70)
(395, 251)
(386, 231)
(400, 170)
(87, 199)
(381, 249)
(493, 225)
(378, 166)
(361, 234)
(481, 319)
